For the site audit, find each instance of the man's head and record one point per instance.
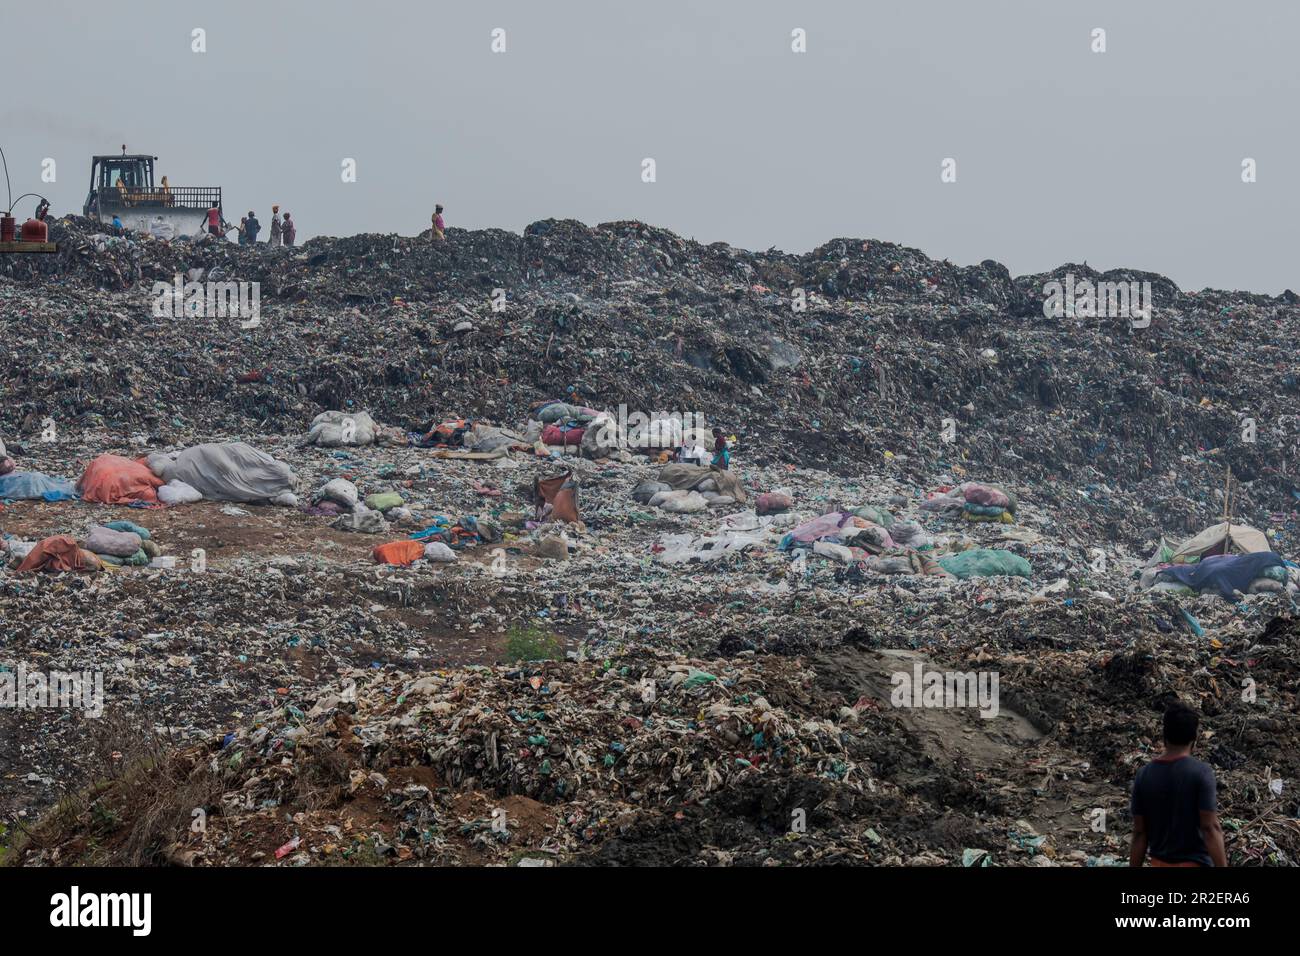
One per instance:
(1180, 727)
(438, 210)
(214, 205)
(250, 214)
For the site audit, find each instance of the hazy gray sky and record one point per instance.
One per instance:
(1130, 157)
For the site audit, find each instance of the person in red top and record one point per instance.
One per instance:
(214, 221)
(439, 227)
(1174, 803)
(721, 456)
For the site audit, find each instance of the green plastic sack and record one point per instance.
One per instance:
(383, 500)
(137, 560)
(985, 563)
(129, 526)
(871, 513)
(1276, 573)
(985, 511)
(698, 678)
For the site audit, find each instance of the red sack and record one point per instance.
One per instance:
(772, 503)
(59, 553)
(978, 494)
(555, 435)
(561, 493)
(398, 552)
(113, 480)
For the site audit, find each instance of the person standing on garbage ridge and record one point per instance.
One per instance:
(721, 455)
(254, 227)
(243, 231)
(288, 232)
(214, 221)
(439, 227)
(1175, 803)
(275, 225)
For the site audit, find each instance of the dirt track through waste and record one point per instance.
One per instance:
(959, 741)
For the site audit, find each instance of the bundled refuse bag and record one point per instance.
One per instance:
(1225, 574)
(398, 552)
(233, 471)
(683, 477)
(177, 492)
(59, 553)
(985, 563)
(988, 503)
(556, 499)
(336, 429)
(114, 480)
(33, 485)
(118, 544)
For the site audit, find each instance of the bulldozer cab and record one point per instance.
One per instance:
(132, 173)
(124, 186)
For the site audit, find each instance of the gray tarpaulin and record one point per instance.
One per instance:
(234, 471)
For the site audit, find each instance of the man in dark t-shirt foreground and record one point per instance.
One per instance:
(1174, 803)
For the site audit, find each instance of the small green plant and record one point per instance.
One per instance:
(528, 642)
(364, 853)
(103, 817)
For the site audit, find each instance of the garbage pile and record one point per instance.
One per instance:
(856, 354)
(451, 579)
(557, 760)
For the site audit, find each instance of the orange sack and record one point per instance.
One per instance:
(113, 480)
(398, 552)
(59, 553)
(561, 493)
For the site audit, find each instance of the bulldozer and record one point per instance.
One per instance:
(124, 186)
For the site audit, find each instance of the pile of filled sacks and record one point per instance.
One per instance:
(117, 543)
(340, 429)
(868, 535)
(122, 543)
(227, 471)
(440, 541)
(563, 424)
(687, 489)
(340, 499)
(975, 502)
